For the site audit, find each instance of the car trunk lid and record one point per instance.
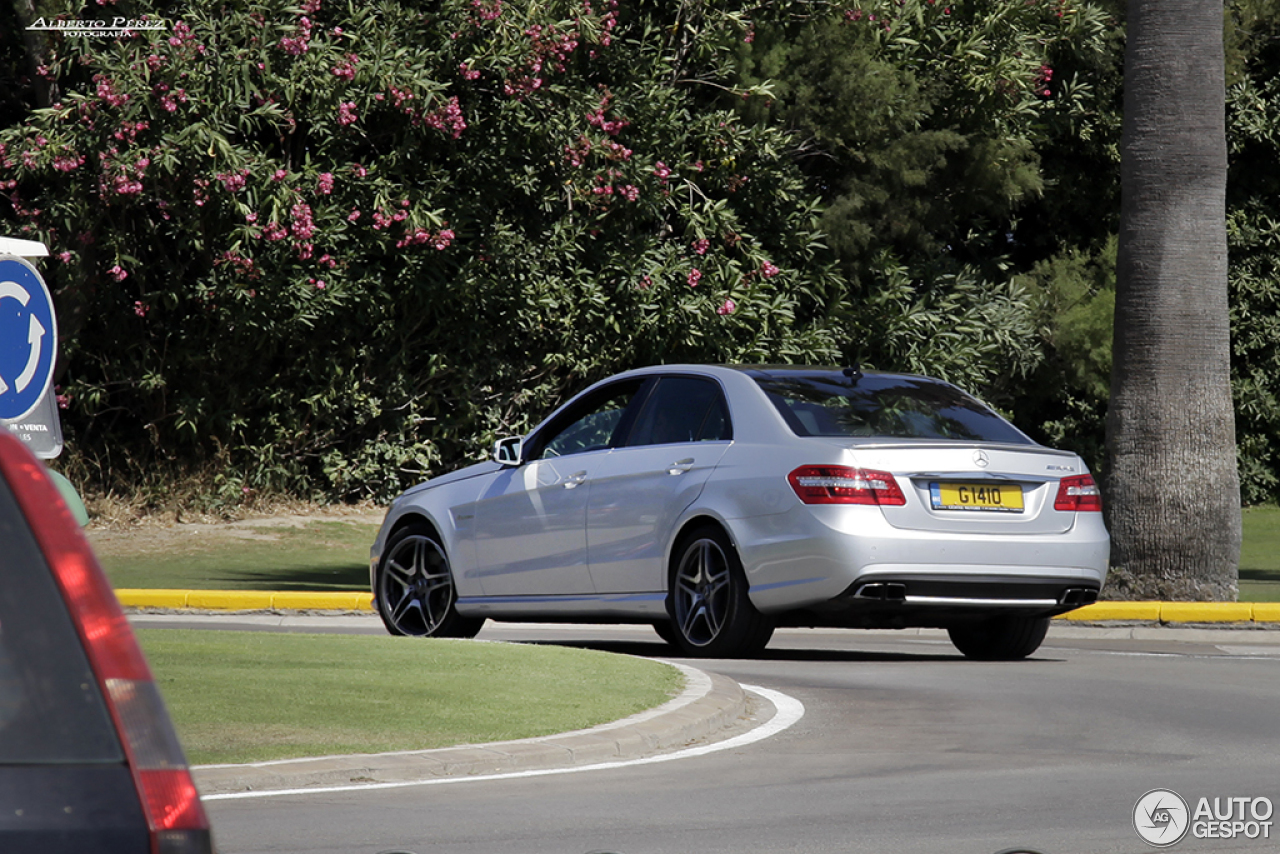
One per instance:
(963, 487)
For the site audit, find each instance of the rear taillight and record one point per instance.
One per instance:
(845, 485)
(168, 794)
(1078, 493)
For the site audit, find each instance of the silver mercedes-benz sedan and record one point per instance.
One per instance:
(716, 503)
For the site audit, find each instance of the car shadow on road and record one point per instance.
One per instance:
(658, 649)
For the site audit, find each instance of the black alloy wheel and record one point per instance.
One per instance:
(711, 614)
(415, 591)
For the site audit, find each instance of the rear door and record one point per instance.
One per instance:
(641, 489)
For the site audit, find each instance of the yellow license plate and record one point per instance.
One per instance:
(993, 497)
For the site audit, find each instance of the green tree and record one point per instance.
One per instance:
(337, 246)
(922, 124)
(1253, 235)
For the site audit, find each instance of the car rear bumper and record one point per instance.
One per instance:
(801, 562)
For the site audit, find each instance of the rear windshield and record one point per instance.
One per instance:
(886, 405)
(51, 710)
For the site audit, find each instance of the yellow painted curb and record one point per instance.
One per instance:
(263, 600)
(246, 600)
(152, 598)
(1266, 612)
(308, 601)
(230, 600)
(1116, 611)
(1206, 612)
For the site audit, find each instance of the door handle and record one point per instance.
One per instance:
(681, 466)
(574, 479)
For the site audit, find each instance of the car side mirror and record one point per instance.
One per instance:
(507, 452)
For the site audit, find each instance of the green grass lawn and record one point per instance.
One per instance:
(319, 556)
(333, 555)
(251, 696)
(1260, 555)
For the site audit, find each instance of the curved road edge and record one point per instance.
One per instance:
(712, 713)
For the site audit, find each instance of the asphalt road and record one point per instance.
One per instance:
(904, 747)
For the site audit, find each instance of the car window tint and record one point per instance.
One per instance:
(51, 710)
(825, 404)
(590, 425)
(682, 409)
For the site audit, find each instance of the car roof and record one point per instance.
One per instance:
(760, 371)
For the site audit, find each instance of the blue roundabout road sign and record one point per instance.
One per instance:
(28, 338)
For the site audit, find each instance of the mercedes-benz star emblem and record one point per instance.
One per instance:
(981, 458)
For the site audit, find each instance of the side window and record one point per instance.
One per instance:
(590, 426)
(683, 409)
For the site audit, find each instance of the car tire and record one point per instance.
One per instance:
(414, 588)
(711, 614)
(1008, 638)
(667, 631)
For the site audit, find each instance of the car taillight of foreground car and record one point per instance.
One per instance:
(89, 760)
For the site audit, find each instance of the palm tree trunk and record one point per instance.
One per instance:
(1173, 486)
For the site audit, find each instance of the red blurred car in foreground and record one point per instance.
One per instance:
(89, 761)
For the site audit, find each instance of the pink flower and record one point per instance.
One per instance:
(303, 227)
(695, 276)
(768, 270)
(447, 118)
(354, 215)
(279, 175)
(326, 183)
(660, 169)
(347, 68)
(729, 307)
(118, 273)
(106, 91)
(140, 308)
(234, 182)
(347, 113)
(359, 170)
(68, 162)
(701, 246)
